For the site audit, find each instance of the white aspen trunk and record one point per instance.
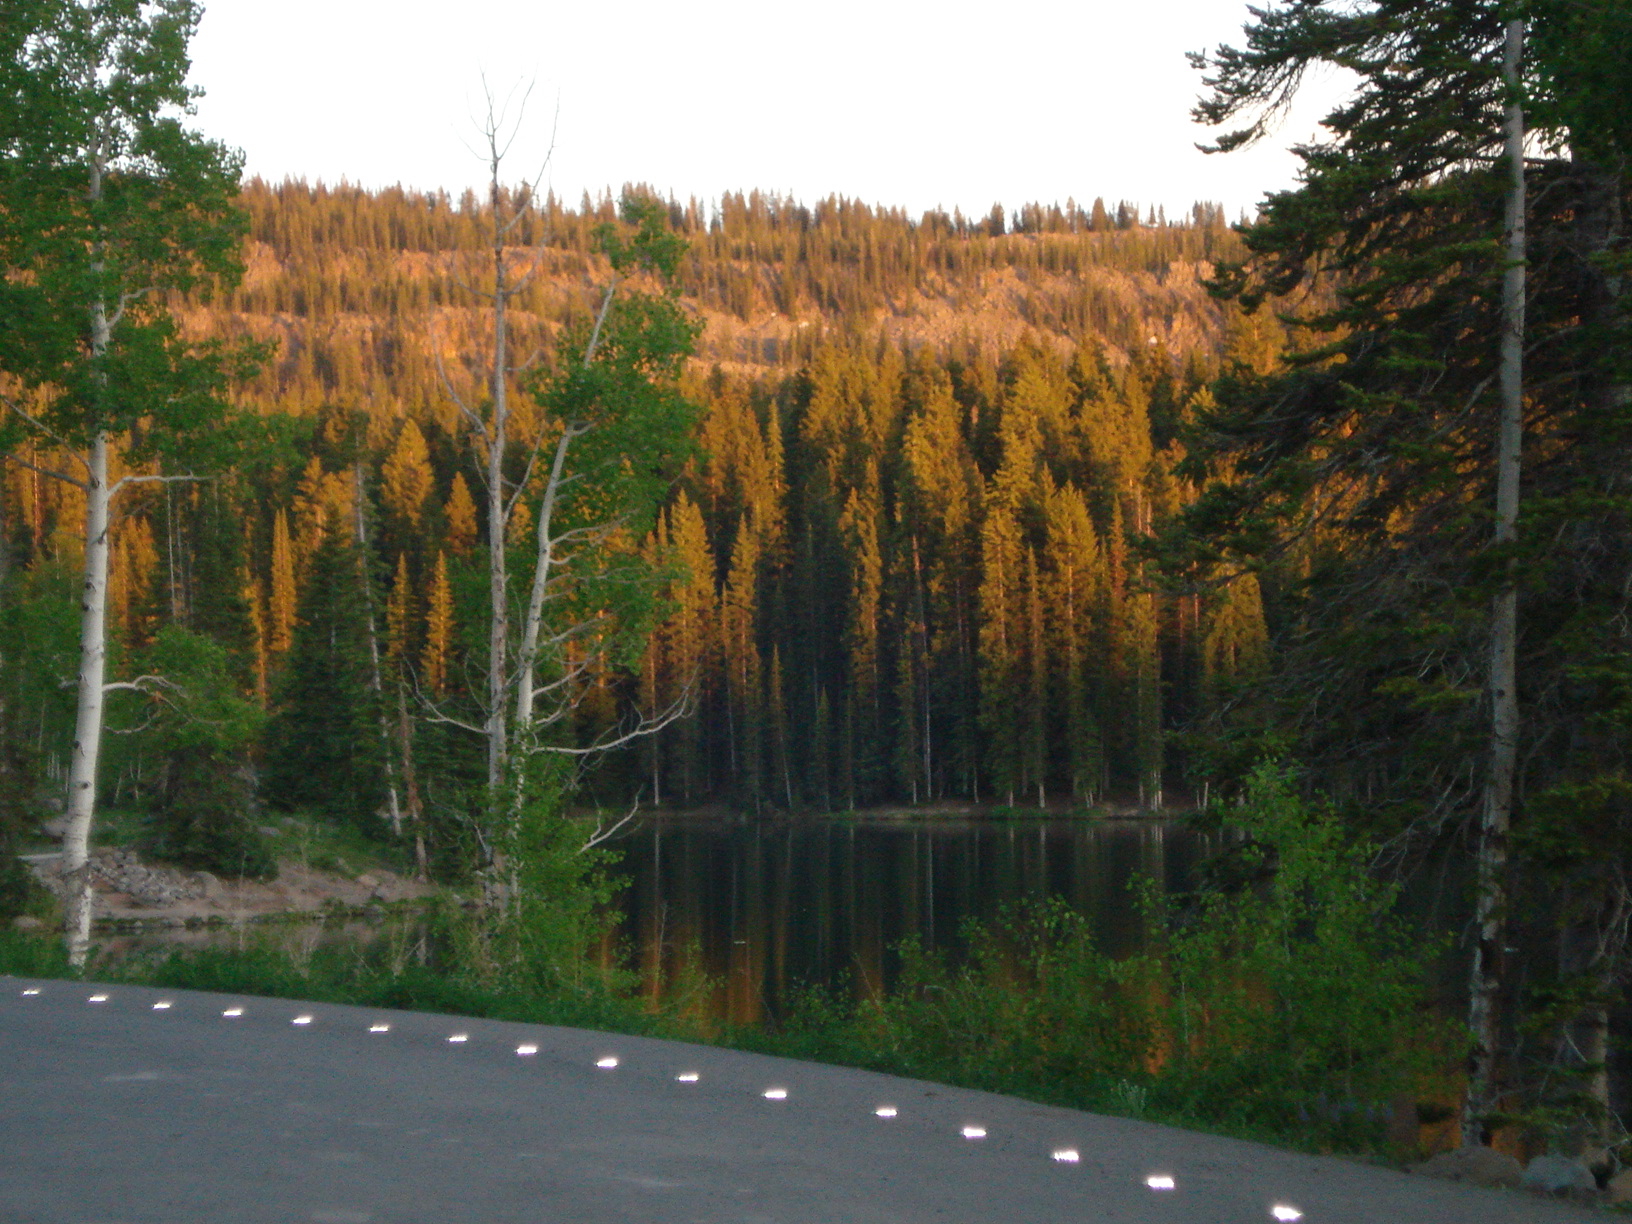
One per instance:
(374, 684)
(1485, 978)
(498, 639)
(527, 656)
(93, 647)
(93, 657)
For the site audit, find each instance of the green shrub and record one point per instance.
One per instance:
(1299, 999)
(203, 817)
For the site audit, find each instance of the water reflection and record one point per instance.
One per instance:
(763, 909)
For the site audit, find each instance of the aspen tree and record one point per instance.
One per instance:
(601, 430)
(107, 205)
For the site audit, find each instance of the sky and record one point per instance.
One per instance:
(904, 104)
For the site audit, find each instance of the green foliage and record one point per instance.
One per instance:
(1301, 991)
(555, 911)
(323, 749)
(1295, 1005)
(105, 197)
(203, 816)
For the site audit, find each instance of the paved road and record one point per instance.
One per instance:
(121, 1105)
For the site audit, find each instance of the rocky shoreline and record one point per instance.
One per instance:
(132, 893)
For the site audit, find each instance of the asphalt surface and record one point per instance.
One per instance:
(155, 1107)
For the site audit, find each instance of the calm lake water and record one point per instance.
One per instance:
(765, 908)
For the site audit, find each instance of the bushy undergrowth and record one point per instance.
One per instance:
(1293, 1006)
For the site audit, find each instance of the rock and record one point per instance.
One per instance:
(1619, 1189)
(1482, 1166)
(269, 831)
(368, 881)
(208, 883)
(27, 922)
(1559, 1175)
(1601, 1162)
(56, 828)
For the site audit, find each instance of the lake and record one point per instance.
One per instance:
(763, 908)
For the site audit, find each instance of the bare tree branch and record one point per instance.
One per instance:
(48, 472)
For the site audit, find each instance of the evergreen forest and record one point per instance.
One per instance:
(466, 525)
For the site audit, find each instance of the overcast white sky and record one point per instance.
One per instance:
(896, 102)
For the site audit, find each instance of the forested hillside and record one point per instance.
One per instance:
(899, 549)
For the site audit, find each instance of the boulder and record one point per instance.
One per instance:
(27, 922)
(1482, 1166)
(368, 881)
(209, 883)
(1619, 1189)
(56, 828)
(1559, 1175)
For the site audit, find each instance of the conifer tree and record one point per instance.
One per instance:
(1002, 639)
(405, 478)
(1076, 601)
(690, 642)
(438, 628)
(282, 609)
(461, 516)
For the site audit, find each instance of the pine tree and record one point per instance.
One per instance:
(399, 613)
(738, 624)
(1077, 591)
(282, 609)
(1002, 681)
(461, 516)
(690, 635)
(405, 478)
(438, 628)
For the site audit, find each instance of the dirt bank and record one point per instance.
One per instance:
(130, 891)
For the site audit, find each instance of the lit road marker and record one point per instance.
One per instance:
(776, 1094)
(1282, 1212)
(162, 1005)
(232, 1013)
(885, 1111)
(606, 1064)
(526, 1049)
(97, 999)
(1067, 1155)
(687, 1077)
(1159, 1181)
(379, 1028)
(974, 1132)
(301, 1020)
(457, 1038)
(32, 990)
